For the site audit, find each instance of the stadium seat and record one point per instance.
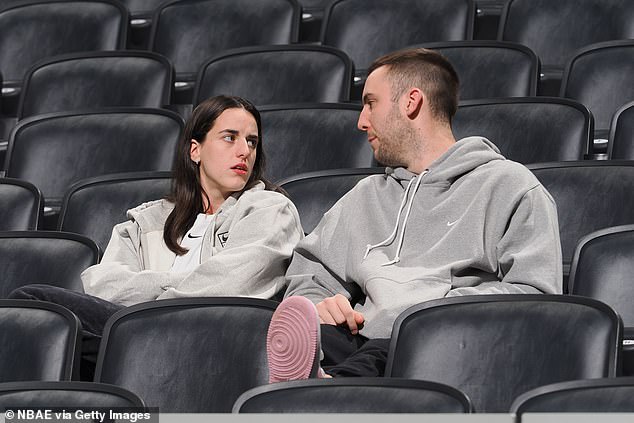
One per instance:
(40, 341)
(490, 69)
(32, 30)
(283, 74)
(44, 257)
(590, 195)
(602, 268)
(601, 76)
(314, 193)
(353, 395)
(96, 80)
(487, 19)
(190, 32)
(301, 138)
(495, 347)
(92, 206)
(367, 29)
(621, 138)
(556, 29)
(68, 395)
(187, 355)
(56, 150)
(528, 129)
(140, 22)
(312, 19)
(6, 124)
(21, 205)
(606, 395)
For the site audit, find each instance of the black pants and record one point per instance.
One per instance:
(91, 311)
(346, 354)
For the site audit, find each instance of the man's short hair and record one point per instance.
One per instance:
(427, 70)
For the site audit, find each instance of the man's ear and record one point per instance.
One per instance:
(194, 151)
(414, 101)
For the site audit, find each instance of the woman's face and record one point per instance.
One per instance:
(227, 154)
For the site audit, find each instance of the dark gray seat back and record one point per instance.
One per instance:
(20, 205)
(301, 138)
(353, 395)
(621, 141)
(601, 77)
(284, 74)
(93, 206)
(495, 347)
(314, 193)
(367, 29)
(491, 69)
(32, 30)
(44, 257)
(590, 195)
(96, 80)
(193, 355)
(40, 341)
(607, 395)
(68, 395)
(528, 129)
(56, 150)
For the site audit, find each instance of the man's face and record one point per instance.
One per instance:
(387, 128)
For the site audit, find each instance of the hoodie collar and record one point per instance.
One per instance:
(152, 215)
(464, 156)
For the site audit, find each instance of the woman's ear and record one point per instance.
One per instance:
(194, 151)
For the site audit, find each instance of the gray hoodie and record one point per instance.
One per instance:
(244, 252)
(474, 223)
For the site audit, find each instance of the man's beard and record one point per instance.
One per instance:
(396, 142)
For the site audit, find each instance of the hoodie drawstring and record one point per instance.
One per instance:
(391, 237)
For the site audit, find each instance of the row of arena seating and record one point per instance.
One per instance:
(208, 355)
(54, 151)
(600, 79)
(359, 30)
(188, 32)
(598, 76)
(350, 395)
(37, 79)
(590, 195)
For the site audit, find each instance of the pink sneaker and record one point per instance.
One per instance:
(292, 342)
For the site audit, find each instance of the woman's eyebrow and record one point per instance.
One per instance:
(229, 131)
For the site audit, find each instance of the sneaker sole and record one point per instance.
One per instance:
(292, 341)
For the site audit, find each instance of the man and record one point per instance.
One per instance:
(448, 218)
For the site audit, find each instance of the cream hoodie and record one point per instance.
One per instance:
(245, 252)
(474, 223)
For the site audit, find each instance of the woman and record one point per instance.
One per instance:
(222, 231)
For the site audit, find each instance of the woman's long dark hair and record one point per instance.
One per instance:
(186, 192)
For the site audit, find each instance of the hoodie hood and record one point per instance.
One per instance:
(151, 216)
(464, 156)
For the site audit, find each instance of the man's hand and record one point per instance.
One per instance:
(338, 311)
